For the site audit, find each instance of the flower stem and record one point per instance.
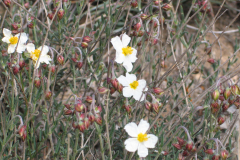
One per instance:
(100, 140)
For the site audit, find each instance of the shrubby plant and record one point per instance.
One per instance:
(105, 79)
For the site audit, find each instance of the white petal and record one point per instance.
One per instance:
(23, 38)
(131, 144)
(151, 142)
(133, 57)
(119, 57)
(131, 129)
(131, 77)
(123, 80)
(6, 39)
(7, 33)
(45, 49)
(128, 65)
(125, 40)
(117, 43)
(45, 59)
(142, 83)
(21, 48)
(11, 48)
(143, 126)
(30, 47)
(127, 92)
(138, 94)
(142, 150)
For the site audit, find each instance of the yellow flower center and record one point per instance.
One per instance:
(35, 54)
(134, 84)
(142, 137)
(13, 40)
(127, 50)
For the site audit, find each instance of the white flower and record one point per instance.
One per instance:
(140, 140)
(13, 41)
(35, 53)
(132, 87)
(124, 53)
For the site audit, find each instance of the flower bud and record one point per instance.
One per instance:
(216, 157)
(140, 34)
(134, 3)
(221, 98)
(176, 145)
(227, 93)
(158, 90)
(21, 130)
(68, 112)
(224, 154)
(215, 95)
(75, 125)
(235, 90)
(112, 90)
(44, 65)
(143, 16)
(89, 99)
(237, 104)
(84, 44)
(157, 2)
(30, 25)
(155, 106)
(37, 82)
(114, 83)
(26, 5)
(7, 3)
(128, 108)
(120, 88)
(50, 15)
(87, 39)
(154, 41)
(211, 60)
(16, 69)
(209, 151)
(148, 105)
(164, 153)
(68, 106)
(48, 95)
(166, 7)
(185, 153)
(98, 109)
(139, 43)
(24, 136)
(21, 63)
(15, 26)
(102, 90)
(220, 120)
(137, 26)
(215, 105)
(60, 59)
(194, 149)
(181, 141)
(91, 117)
(98, 119)
(81, 126)
(225, 106)
(79, 65)
(52, 68)
(189, 146)
(79, 107)
(86, 123)
(60, 14)
(231, 100)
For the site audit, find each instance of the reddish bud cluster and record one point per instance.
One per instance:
(22, 132)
